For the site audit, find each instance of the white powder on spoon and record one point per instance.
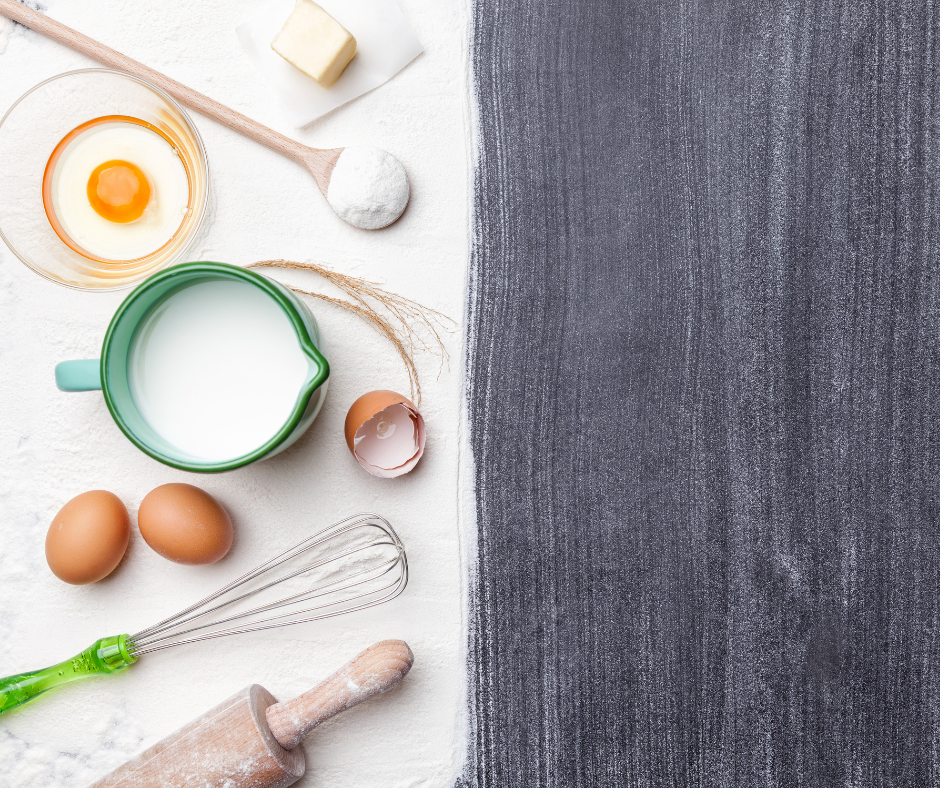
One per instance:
(368, 187)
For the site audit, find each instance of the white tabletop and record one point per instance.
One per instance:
(55, 445)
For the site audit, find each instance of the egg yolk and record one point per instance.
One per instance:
(118, 191)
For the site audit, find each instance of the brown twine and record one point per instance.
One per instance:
(403, 326)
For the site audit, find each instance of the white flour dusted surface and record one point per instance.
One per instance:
(55, 445)
(368, 187)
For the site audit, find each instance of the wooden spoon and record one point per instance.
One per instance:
(319, 162)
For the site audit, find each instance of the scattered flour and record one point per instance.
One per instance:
(31, 765)
(368, 187)
(6, 30)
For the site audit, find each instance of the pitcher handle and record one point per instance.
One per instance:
(84, 375)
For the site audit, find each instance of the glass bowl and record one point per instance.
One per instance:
(30, 132)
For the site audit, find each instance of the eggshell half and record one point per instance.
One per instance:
(88, 537)
(185, 524)
(385, 433)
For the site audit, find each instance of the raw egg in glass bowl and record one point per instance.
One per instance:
(103, 179)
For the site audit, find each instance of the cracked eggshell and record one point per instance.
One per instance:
(385, 433)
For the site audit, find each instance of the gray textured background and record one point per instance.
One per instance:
(704, 394)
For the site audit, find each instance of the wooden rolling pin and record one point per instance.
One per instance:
(250, 740)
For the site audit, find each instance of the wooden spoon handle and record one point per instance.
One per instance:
(197, 101)
(374, 671)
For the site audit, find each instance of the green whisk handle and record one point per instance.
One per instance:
(105, 656)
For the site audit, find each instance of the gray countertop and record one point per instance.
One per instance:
(704, 368)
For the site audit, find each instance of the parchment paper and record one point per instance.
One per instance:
(385, 44)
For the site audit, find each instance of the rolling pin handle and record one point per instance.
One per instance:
(374, 671)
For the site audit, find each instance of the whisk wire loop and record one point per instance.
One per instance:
(372, 565)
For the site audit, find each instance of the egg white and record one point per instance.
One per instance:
(159, 162)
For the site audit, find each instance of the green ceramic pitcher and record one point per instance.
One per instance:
(111, 373)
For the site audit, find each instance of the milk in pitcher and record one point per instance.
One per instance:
(216, 369)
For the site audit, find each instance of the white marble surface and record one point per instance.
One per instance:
(55, 445)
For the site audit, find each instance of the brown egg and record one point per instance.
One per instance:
(185, 524)
(385, 433)
(88, 537)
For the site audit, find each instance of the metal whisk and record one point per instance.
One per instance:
(352, 565)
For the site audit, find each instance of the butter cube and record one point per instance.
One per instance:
(315, 43)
